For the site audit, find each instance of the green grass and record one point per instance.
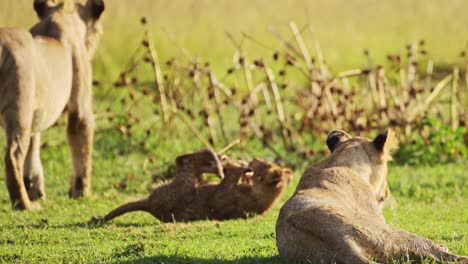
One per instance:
(430, 201)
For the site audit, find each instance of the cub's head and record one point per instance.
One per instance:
(81, 20)
(366, 157)
(269, 176)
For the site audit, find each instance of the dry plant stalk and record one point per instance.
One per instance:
(279, 105)
(323, 70)
(158, 76)
(206, 107)
(195, 132)
(430, 98)
(228, 147)
(302, 46)
(323, 102)
(218, 104)
(283, 41)
(454, 100)
(465, 108)
(429, 72)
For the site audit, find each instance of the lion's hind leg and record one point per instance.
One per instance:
(33, 170)
(80, 134)
(17, 146)
(320, 224)
(362, 237)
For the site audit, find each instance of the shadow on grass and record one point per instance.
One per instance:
(86, 225)
(178, 259)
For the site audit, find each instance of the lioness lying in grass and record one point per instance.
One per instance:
(336, 215)
(188, 198)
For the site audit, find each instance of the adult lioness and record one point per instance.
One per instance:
(335, 214)
(42, 72)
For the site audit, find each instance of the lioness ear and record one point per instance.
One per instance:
(335, 137)
(96, 8)
(386, 142)
(42, 7)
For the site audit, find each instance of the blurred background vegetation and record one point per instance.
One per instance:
(344, 27)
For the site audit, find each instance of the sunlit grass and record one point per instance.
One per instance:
(430, 201)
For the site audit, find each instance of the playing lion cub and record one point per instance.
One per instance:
(336, 215)
(187, 198)
(42, 72)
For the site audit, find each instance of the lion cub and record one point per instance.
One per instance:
(188, 198)
(336, 215)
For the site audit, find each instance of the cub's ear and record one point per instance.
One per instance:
(288, 172)
(96, 8)
(335, 138)
(386, 142)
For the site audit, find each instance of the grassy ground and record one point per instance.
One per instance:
(430, 201)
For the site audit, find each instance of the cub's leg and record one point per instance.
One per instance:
(33, 171)
(191, 167)
(80, 132)
(17, 146)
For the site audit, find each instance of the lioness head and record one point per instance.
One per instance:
(269, 175)
(80, 20)
(367, 157)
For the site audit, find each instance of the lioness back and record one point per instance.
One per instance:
(15, 44)
(22, 75)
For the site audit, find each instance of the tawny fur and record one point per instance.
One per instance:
(42, 72)
(335, 214)
(184, 199)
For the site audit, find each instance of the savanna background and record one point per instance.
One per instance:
(134, 147)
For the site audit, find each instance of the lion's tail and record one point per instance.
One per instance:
(140, 205)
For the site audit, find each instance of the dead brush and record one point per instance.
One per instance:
(263, 104)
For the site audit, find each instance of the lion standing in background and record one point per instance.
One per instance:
(336, 215)
(42, 72)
